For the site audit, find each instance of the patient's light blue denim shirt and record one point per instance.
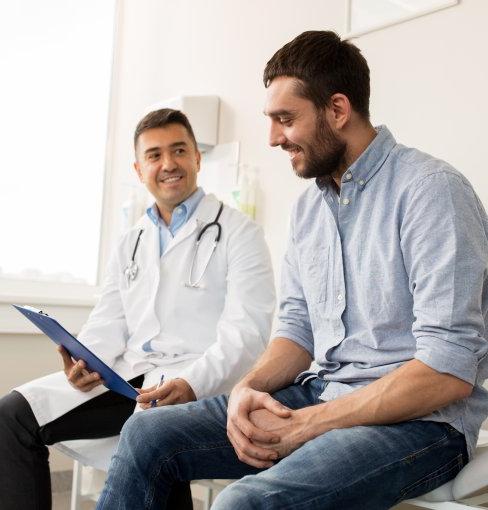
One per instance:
(393, 268)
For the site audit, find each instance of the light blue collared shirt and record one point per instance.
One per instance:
(180, 216)
(393, 268)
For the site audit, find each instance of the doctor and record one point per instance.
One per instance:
(188, 294)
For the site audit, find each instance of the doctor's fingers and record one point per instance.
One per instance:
(155, 393)
(171, 397)
(146, 390)
(90, 386)
(68, 362)
(82, 378)
(248, 452)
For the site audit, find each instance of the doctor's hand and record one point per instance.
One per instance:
(174, 391)
(76, 372)
(251, 441)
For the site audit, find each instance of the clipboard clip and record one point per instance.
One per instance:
(32, 309)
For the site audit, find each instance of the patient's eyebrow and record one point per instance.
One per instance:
(278, 113)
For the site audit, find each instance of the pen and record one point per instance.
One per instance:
(153, 402)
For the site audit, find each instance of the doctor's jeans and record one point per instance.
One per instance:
(25, 482)
(359, 468)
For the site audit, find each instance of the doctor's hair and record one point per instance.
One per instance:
(160, 119)
(325, 65)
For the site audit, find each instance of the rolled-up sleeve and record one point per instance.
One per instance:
(444, 242)
(293, 317)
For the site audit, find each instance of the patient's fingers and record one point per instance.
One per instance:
(248, 452)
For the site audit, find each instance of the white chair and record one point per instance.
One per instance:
(467, 491)
(91, 453)
(91, 462)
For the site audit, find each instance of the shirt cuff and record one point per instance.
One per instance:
(448, 358)
(295, 334)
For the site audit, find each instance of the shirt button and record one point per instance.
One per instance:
(361, 182)
(340, 297)
(345, 201)
(349, 176)
(179, 210)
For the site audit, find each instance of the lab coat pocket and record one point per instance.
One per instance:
(134, 292)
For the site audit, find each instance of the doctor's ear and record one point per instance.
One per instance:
(199, 159)
(137, 168)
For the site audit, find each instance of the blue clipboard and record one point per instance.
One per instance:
(77, 350)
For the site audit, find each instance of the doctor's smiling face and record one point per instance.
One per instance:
(167, 162)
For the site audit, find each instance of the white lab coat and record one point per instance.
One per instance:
(210, 336)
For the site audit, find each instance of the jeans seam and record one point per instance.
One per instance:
(159, 465)
(456, 463)
(414, 455)
(382, 468)
(297, 506)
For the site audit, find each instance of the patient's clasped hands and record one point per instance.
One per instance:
(261, 429)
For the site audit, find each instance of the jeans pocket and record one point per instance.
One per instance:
(434, 479)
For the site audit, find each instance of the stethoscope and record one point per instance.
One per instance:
(132, 268)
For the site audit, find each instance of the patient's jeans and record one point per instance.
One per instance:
(359, 468)
(25, 482)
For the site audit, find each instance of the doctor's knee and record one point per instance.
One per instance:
(15, 410)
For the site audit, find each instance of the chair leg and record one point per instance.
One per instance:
(76, 486)
(208, 499)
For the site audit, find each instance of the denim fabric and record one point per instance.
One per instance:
(363, 468)
(395, 267)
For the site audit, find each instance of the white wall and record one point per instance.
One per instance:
(428, 79)
(430, 83)
(216, 47)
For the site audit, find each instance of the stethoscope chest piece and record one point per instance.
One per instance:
(131, 271)
(132, 268)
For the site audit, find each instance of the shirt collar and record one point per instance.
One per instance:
(369, 162)
(183, 210)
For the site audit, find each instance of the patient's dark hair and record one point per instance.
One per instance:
(162, 118)
(325, 66)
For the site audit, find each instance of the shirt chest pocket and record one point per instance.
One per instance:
(314, 276)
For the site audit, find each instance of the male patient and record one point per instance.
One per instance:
(200, 318)
(384, 286)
